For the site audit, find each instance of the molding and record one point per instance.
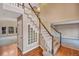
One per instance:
(41, 46)
(30, 49)
(69, 47)
(66, 21)
(8, 19)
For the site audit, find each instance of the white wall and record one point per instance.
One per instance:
(69, 30)
(7, 23)
(70, 35)
(13, 8)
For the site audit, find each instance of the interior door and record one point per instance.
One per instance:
(20, 33)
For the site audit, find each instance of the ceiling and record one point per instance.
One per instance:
(59, 12)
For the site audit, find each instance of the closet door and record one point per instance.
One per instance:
(20, 33)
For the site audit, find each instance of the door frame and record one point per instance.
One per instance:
(20, 18)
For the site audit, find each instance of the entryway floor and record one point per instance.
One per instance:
(64, 51)
(9, 50)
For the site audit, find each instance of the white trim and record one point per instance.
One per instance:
(66, 21)
(30, 49)
(41, 47)
(8, 19)
(69, 47)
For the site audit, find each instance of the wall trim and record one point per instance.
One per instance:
(66, 21)
(30, 49)
(69, 47)
(41, 46)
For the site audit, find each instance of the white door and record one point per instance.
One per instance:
(20, 33)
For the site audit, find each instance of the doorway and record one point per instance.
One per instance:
(20, 34)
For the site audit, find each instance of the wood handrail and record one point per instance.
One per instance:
(46, 29)
(40, 20)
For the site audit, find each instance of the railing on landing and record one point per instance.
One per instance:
(53, 27)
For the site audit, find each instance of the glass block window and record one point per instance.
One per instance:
(11, 30)
(28, 34)
(16, 29)
(32, 36)
(3, 30)
(35, 37)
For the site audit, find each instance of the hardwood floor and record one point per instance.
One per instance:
(34, 52)
(63, 51)
(19, 52)
(8, 50)
(11, 50)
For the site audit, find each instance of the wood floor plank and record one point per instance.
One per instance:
(34, 52)
(8, 50)
(64, 51)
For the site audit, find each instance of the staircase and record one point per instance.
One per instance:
(56, 39)
(49, 42)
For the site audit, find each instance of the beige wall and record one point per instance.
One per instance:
(51, 13)
(8, 23)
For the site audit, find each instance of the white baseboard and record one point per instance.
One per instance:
(41, 46)
(30, 49)
(70, 47)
